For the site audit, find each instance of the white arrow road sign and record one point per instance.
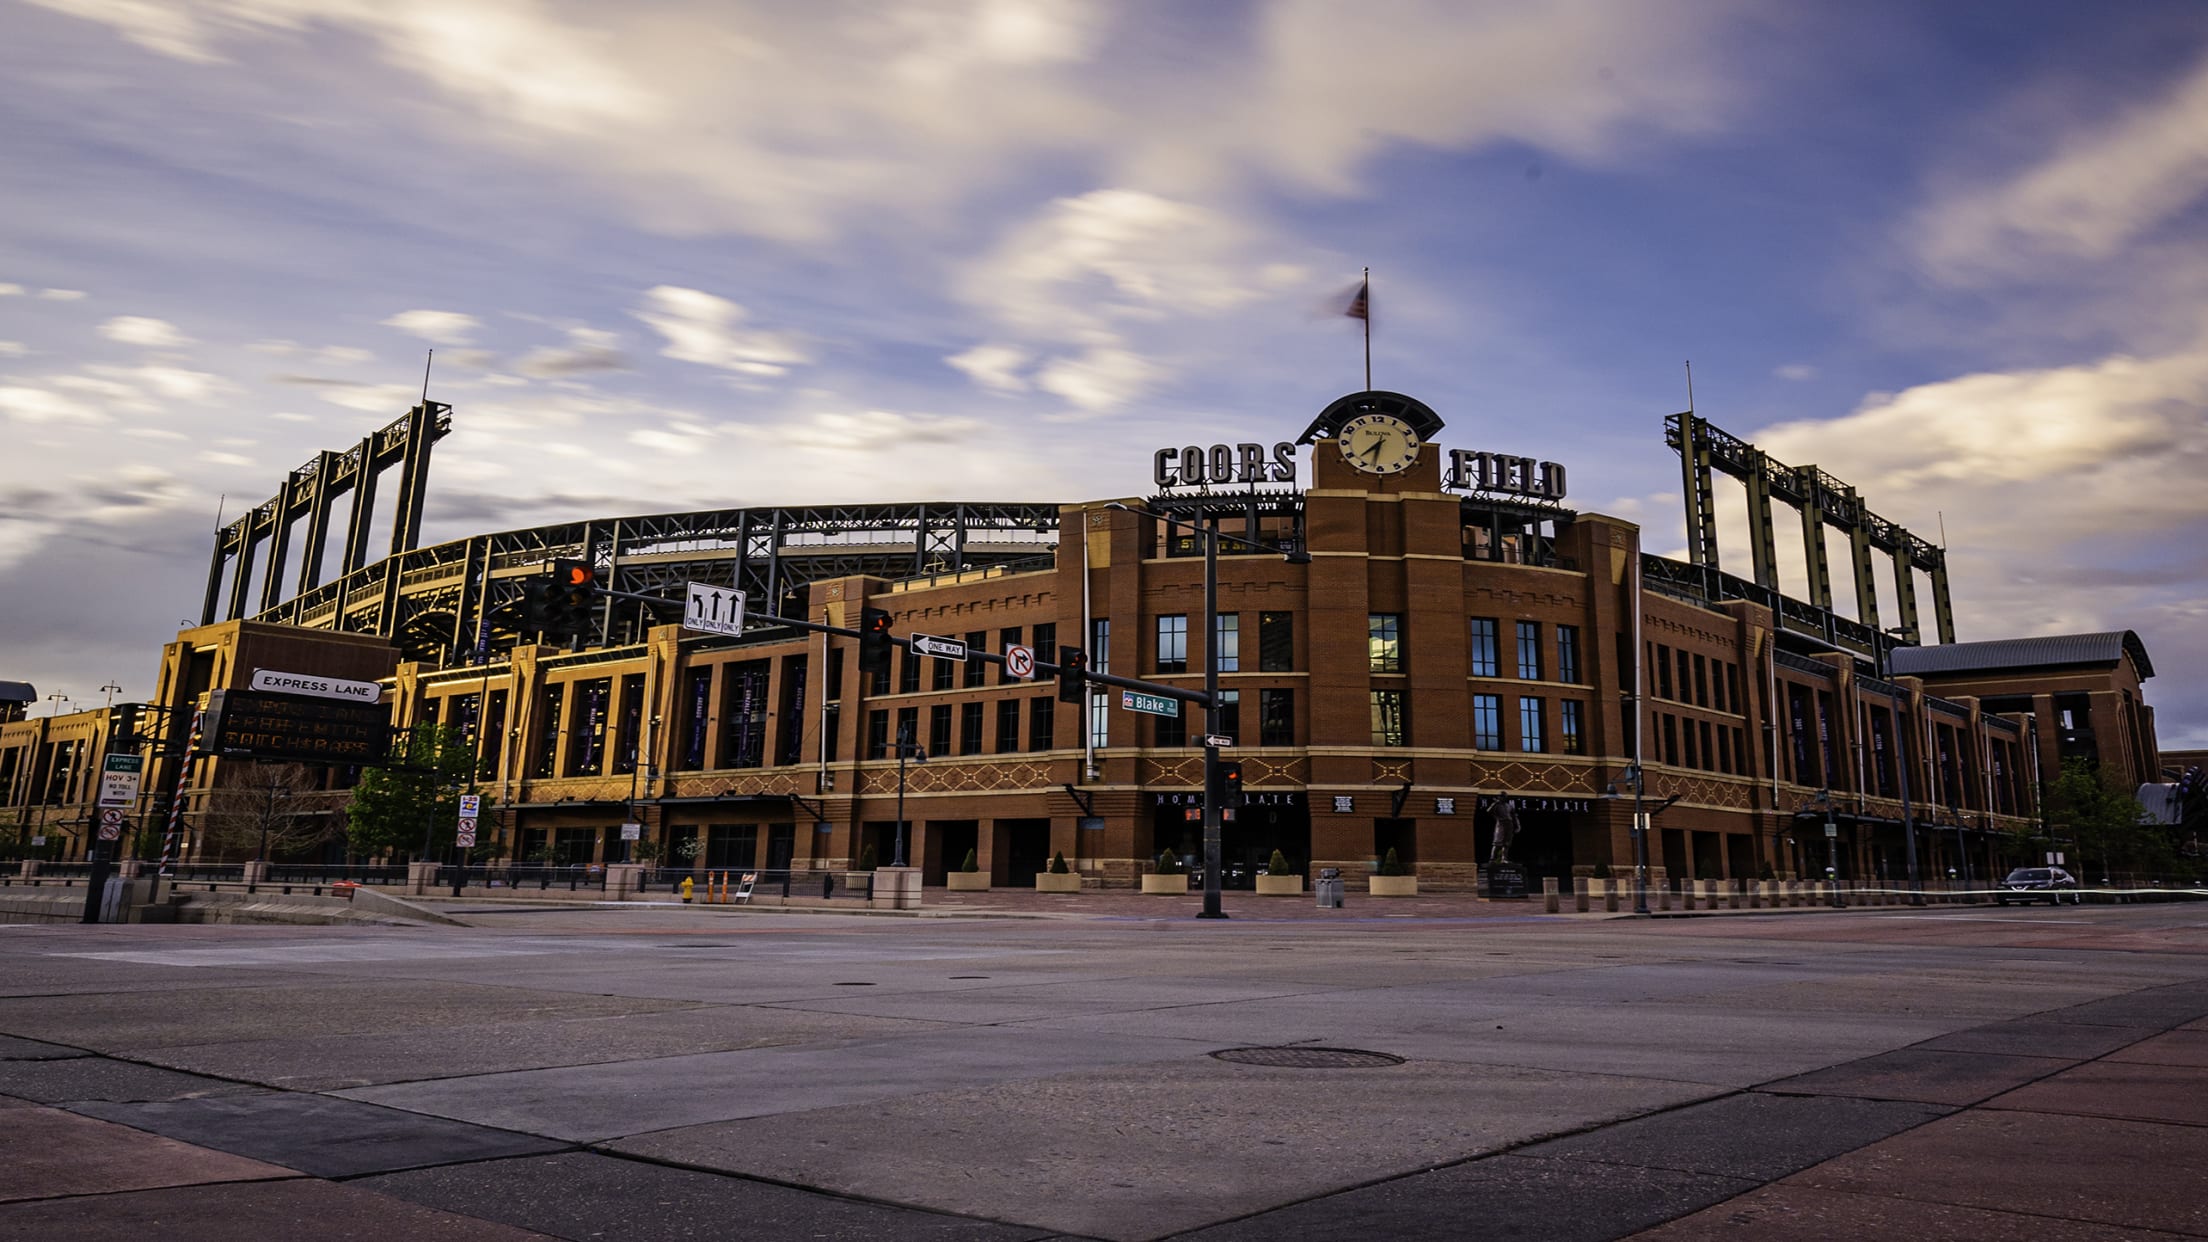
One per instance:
(940, 648)
(713, 609)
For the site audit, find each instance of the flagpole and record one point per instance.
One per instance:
(1368, 328)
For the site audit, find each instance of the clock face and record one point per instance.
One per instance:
(1378, 444)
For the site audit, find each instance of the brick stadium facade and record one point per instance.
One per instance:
(1452, 643)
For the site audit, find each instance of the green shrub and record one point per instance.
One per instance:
(1169, 863)
(972, 863)
(866, 857)
(1601, 871)
(1391, 865)
(1278, 865)
(1058, 864)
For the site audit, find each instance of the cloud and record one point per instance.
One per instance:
(703, 328)
(1100, 379)
(385, 399)
(62, 295)
(1795, 371)
(39, 405)
(995, 367)
(13, 349)
(2045, 477)
(587, 350)
(140, 330)
(2104, 187)
(435, 326)
(10, 290)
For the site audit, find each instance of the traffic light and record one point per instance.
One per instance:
(1230, 781)
(122, 727)
(874, 644)
(574, 599)
(1073, 675)
(536, 605)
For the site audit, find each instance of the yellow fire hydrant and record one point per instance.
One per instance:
(686, 882)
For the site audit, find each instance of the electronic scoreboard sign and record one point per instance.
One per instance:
(268, 725)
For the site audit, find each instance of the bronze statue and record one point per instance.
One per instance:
(1505, 813)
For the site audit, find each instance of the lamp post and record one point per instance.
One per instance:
(1643, 816)
(1832, 845)
(907, 748)
(57, 698)
(1214, 791)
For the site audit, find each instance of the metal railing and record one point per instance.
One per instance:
(543, 877)
(332, 873)
(785, 883)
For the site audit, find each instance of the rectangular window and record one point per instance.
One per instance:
(1384, 640)
(1173, 643)
(1671, 740)
(938, 740)
(1688, 727)
(1388, 728)
(943, 674)
(1046, 649)
(1571, 734)
(1531, 736)
(1686, 687)
(1100, 716)
(1484, 657)
(969, 728)
(877, 735)
(1663, 671)
(1701, 681)
(1173, 730)
(1529, 650)
(1276, 642)
(1732, 687)
(835, 674)
(1042, 714)
(1702, 728)
(976, 642)
(1230, 714)
(1100, 645)
(1276, 725)
(1008, 726)
(1567, 654)
(1229, 640)
(1717, 685)
(877, 682)
(908, 670)
(1724, 751)
(908, 726)
(1487, 722)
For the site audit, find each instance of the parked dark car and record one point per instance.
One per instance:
(2038, 883)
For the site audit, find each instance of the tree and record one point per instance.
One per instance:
(2105, 824)
(394, 808)
(260, 810)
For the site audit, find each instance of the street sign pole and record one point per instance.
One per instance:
(1214, 791)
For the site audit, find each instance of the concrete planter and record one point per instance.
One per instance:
(1165, 884)
(1045, 882)
(1392, 886)
(1279, 885)
(969, 881)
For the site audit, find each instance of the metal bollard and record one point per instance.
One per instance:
(1755, 894)
(1733, 893)
(1663, 894)
(1550, 898)
(1609, 896)
(1579, 893)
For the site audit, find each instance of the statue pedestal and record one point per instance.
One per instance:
(1500, 881)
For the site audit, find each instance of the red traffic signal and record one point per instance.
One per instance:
(874, 641)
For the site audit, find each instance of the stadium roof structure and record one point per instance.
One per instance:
(2049, 651)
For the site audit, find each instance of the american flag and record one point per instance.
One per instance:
(1360, 306)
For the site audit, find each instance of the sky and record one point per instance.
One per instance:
(680, 256)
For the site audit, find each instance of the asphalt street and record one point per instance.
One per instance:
(657, 1072)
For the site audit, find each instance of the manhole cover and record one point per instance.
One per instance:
(1309, 1058)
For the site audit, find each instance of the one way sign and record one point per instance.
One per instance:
(713, 609)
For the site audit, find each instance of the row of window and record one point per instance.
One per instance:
(1686, 677)
(967, 737)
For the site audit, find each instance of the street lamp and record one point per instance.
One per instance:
(906, 749)
(57, 698)
(1832, 845)
(1214, 794)
(112, 690)
(1641, 819)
